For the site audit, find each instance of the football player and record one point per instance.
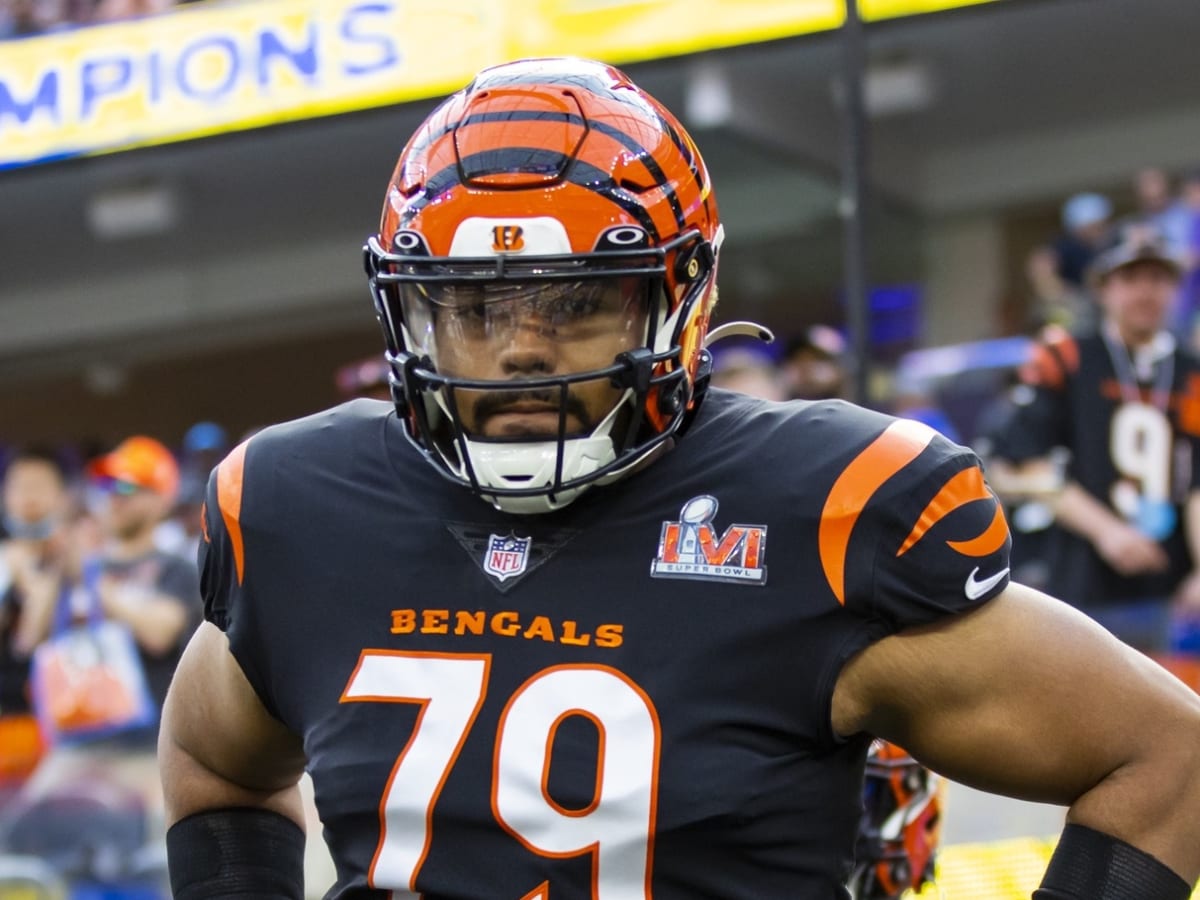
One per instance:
(560, 622)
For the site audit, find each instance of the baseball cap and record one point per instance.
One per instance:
(1138, 243)
(140, 461)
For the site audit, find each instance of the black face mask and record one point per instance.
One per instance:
(30, 531)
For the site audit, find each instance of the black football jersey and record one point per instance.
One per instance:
(626, 698)
(1133, 442)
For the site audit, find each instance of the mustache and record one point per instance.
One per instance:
(492, 403)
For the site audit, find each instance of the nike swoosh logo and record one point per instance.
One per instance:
(976, 589)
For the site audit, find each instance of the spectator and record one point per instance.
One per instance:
(746, 367)
(814, 365)
(34, 556)
(1189, 294)
(26, 18)
(364, 378)
(34, 564)
(1087, 230)
(1057, 270)
(116, 10)
(1159, 208)
(155, 593)
(916, 398)
(1124, 403)
(204, 445)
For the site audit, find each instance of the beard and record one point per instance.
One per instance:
(490, 405)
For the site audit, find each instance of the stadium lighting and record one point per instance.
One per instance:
(129, 211)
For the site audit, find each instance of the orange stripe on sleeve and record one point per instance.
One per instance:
(963, 488)
(989, 542)
(229, 499)
(901, 443)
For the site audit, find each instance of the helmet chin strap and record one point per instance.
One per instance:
(532, 464)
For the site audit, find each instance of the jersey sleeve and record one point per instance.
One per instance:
(909, 530)
(942, 543)
(221, 557)
(215, 559)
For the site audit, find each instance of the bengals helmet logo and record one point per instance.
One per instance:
(508, 238)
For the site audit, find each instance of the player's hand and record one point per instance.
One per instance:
(1129, 551)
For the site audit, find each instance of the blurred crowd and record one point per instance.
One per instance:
(26, 18)
(1057, 271)
(99, 593)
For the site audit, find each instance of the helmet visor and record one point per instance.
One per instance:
(497, 330)
(518, 353)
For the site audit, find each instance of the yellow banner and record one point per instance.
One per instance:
(202, 70)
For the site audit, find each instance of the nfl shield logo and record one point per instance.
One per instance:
(506, 557)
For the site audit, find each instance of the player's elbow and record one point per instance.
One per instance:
(1180, 761)
(1153, 800)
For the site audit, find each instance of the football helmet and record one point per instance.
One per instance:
(900, 828)
(553, 203)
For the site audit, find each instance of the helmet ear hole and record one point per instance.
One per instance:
(694, 264)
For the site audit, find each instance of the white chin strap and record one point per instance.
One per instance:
(532, 465)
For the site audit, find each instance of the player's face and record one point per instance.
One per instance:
(1137, 298)
(517, 331)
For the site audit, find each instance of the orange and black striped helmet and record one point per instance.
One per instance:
(900, 829)
(547, 188)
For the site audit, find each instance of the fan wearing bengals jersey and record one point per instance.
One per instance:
(560, 623)
(1125, 402)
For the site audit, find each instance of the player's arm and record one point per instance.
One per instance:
(1027, 697)
(229, 766)
(229, 771)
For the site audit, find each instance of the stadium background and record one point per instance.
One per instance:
(181, 209)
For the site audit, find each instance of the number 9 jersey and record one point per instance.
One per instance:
(626, 698)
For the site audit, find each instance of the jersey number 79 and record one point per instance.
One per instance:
(616, 827)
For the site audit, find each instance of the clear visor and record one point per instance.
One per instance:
(500, 330)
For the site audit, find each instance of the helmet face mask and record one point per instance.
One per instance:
(541, 337)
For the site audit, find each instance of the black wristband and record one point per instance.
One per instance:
(221, 854)
(1090, 865)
